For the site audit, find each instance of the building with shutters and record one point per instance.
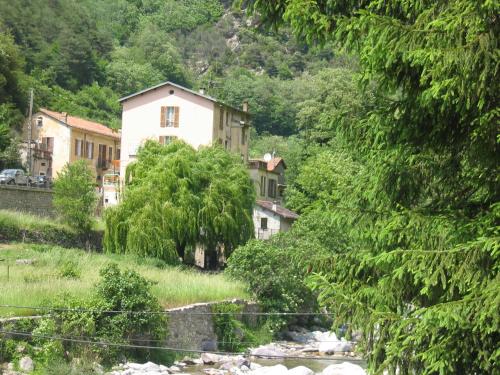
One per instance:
(58, 138)
(169, 111)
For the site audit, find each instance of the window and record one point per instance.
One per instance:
(272, 189)
(89, 150)
(169, 117)
(48, 143)
(263, 186)
(101, 159)
(117, 154)
(243, 135)
(263, 223)
(43, 164)
(110, 153)
(166, 139)
(78, 147)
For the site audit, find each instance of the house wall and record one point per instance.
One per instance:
(61, 134)
(231, 133)
(141, 120)
(97, 139)
(255, 175)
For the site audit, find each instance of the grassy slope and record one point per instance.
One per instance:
(40, 283)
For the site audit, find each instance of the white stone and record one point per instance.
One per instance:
(209, 358)
(174, 369)
(26, 364)
(331, 347)
(271, 370)
(324, 336)
(300, 370)
(268, 351)
(344, 368)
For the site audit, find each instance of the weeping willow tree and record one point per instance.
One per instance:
(418, 199)
(176, 197)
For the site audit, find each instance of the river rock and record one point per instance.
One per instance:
(324, 336)
(26, 364)
(300, 370)
(209, 358)
(344, 368)
(270, 370)
(268, 351)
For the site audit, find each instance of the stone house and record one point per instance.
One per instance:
(59, 138)
(169, 111)
(270, 218)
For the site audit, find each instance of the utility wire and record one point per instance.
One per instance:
(132, 346)
(174, 312)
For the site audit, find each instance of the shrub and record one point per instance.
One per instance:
(74, 195)
(69, 269)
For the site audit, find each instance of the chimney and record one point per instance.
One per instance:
(274, 206)
(64, 117)
(245, 106)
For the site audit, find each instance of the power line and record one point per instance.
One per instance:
(166, 312)
(195, 351)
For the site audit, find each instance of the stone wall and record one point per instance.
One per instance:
(191, 327)
(35, 201)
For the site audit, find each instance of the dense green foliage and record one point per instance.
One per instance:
(177, 198)
(407, 186)
(75, 197)
(80, 56)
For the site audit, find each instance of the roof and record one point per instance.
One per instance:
(281, 211)
(274, 162)
(167, 83)
(80, 123)
(270, 165)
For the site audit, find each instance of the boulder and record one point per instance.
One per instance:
(271, 370)
(209, 358)
(26, 364)
(300, 370)
(344, 368)
(268, 351)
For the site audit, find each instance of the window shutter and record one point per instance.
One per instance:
(92, 150)
(162, 140)
(176, 117)
(76, 147)
(162, 117)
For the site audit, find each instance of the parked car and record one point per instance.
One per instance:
(14, 177)
(41, 181)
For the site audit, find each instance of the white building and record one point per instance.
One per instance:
(270, 218)
(169, 111)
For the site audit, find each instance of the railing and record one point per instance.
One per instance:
(265, 234)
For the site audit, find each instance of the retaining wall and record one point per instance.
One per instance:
(192, 327)
(35, 201)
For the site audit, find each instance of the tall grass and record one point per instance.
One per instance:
(56, 271)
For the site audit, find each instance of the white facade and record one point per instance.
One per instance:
(199, 121)
(271, 220)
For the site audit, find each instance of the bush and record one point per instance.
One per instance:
(74, 196)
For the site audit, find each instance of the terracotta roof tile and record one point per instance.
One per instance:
(273, 163)
(281, 211)
(79, 123)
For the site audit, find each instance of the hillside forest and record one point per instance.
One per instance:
(386, 113)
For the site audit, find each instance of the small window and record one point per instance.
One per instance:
(263, 186)
(117, 154)
(243, 135)
(263, 223)
(169, 117)
(78, 147)
(171, 92)
(89, 150)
